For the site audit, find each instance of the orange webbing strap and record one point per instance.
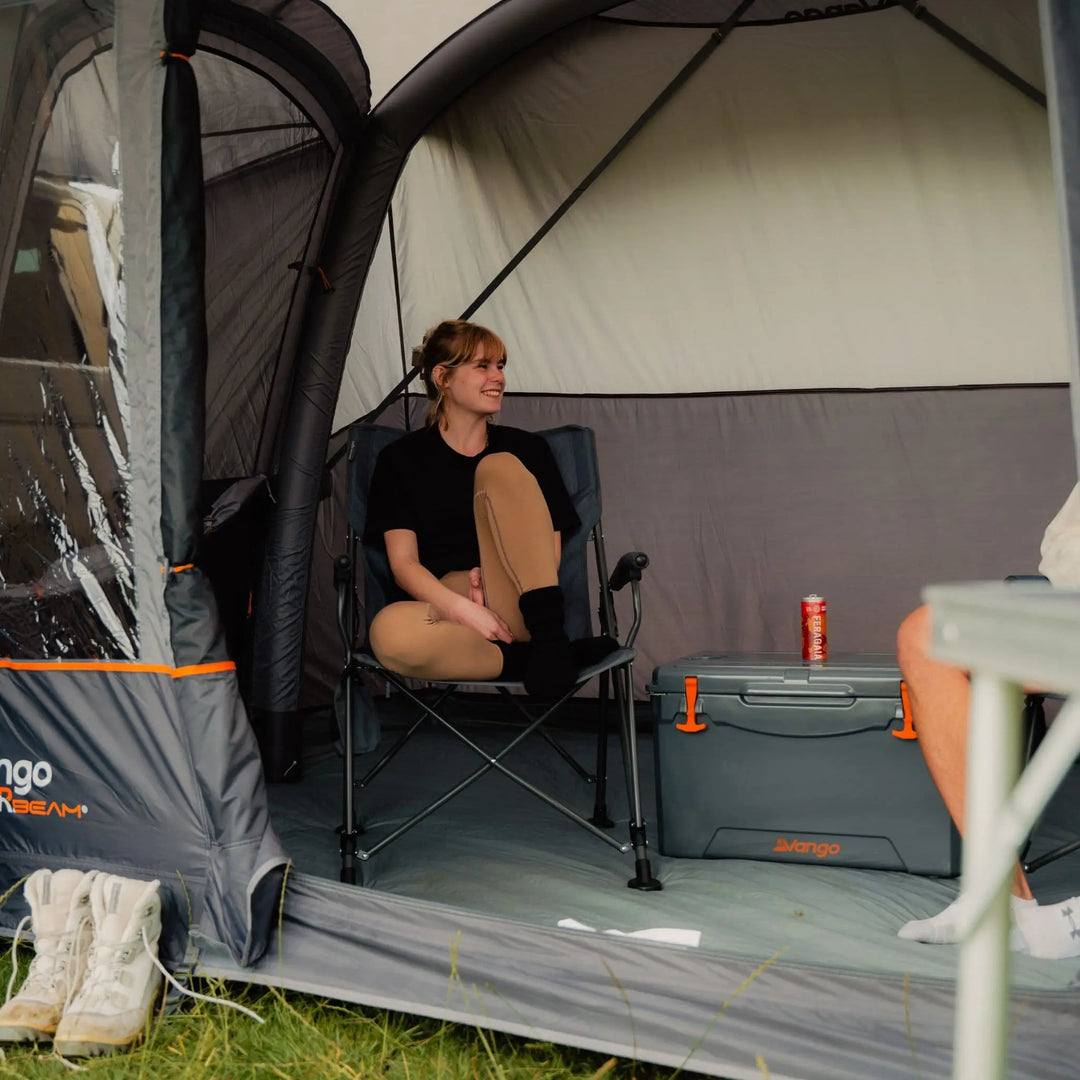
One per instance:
(167, 55)
(117, 666)
(178, 569)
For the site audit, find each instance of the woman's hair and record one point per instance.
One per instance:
(450, 344)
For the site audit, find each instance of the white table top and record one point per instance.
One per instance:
(1028, 632)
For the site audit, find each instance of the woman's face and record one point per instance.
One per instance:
(476, 386)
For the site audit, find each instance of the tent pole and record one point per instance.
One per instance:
(1060, 25)
(397, 308)
(716, 39)
(916, 8)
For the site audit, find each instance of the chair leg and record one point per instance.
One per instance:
(392, 752)
(1052, 856)
(549, 738)
(1033, 725)
(347, 832)
(600, 816)
(624, 695)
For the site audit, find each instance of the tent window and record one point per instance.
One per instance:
(66, 582)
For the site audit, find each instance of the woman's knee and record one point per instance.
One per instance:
(396, 633)
(502, 465)
(913, 639)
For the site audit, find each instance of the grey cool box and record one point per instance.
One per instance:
(795, 762)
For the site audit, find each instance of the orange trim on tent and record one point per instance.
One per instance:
(117, 666)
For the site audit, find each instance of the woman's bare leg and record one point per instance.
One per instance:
(940, 695)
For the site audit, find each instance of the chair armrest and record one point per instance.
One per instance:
(628, 569)
(628, 572)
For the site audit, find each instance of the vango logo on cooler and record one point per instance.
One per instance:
(19, 779)
(805, 847)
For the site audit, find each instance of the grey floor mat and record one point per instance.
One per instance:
(495, 849)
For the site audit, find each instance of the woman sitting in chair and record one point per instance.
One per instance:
(471, 516)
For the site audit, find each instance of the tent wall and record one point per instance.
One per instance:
(753, 501)
(10, 20)
(827, 205)
(843, 203)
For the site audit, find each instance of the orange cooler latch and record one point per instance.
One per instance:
(691, 723)
(908, 730)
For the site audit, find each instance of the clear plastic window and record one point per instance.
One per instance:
(66, 580)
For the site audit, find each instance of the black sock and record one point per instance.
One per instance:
(515, 659)
(591, 650)
(550, 670)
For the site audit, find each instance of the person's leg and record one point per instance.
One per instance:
(939, 695)
(517, 541)
(412, 639)
(520, 573)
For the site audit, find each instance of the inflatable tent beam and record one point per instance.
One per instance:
(195, 629)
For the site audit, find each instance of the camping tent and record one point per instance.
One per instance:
(800, 269)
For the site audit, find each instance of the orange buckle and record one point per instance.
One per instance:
(908, 730)
(691, 724)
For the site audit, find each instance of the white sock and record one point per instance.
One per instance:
(1052, 931)
(943, 928)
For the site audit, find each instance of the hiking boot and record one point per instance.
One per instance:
(59, 903)
(111, 1009)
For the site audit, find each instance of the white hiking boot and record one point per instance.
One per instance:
(110, 1010)
(59, 917)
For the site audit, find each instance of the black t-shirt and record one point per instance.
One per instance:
(420, 483)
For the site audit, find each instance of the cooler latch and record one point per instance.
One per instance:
(908, 730)
(691, 723)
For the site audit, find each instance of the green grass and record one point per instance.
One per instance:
(308, 1038)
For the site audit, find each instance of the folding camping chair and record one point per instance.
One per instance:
(574, 449)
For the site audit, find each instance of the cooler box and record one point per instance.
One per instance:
(795, 762)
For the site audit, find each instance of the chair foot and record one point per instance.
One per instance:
(600, 817)
(349, 848)
(643, 880)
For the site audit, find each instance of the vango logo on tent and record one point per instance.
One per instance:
(21, 778)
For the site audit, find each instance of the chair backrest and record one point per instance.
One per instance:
(574, 449)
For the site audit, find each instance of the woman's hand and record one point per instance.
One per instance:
(483, 620)
(476, 587)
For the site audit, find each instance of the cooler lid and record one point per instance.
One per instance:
(854, 674)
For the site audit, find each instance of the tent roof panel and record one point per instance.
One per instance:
(832, 203)
(396, 37)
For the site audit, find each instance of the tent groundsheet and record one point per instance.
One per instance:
(787, 955)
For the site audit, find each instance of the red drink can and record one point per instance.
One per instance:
(815, 645)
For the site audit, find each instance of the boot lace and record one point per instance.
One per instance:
(191, 993)
(52, 957)
(108, 978)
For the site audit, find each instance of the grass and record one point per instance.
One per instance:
(308, 1038)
